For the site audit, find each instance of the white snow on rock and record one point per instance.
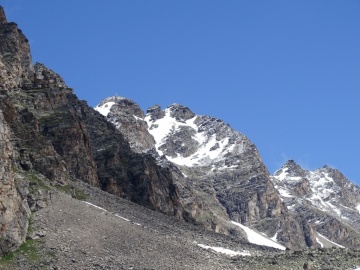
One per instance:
(322, 186)
(116, 215)
(320, 243)
(283, 174)
(226, 251)
(163, 127)
(258, 239)
(285, 193)
(98, 207)
(328, 240)
(275, 237)
(104, 109)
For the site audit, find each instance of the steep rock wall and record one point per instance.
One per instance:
(14, 211)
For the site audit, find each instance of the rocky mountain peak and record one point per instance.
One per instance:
(155, 112)
(15, 58)
(121, 105)
(3, 19)
(180, 112)
(328, 200)
(128, 117)
(290, 168)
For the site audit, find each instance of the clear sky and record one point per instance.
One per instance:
(284, 73)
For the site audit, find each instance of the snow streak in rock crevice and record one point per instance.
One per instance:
(226, 251)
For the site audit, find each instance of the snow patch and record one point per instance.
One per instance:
(358, 208)
(128, 220)
(283, 174)
(318, 240)
(285, 193)
(105, 108)
(330, 241)
(257, 238)
(274, 238)
(137, 118)
(226, 251)
(98, 207)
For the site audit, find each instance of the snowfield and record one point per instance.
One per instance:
(258, 239)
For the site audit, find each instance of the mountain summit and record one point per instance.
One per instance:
(325, 198)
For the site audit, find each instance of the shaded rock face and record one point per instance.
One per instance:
(121, 171)
(93, 150)
(322, 198)
(155, 112)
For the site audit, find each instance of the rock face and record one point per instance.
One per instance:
(15, 59)
(127, 116)
(14, 211)
(324, 198)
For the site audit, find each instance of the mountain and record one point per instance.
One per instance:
(116, 188)
(223, 179)
(325, 198)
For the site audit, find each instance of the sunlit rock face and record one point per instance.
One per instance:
(15, 59)
(127, 116)
(325, 198)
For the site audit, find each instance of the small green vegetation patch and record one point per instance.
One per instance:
(73, 191)
(28, 249)
(36, 182)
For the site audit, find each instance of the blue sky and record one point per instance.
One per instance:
(284, 73)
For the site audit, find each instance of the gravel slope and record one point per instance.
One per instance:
(79, 235)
